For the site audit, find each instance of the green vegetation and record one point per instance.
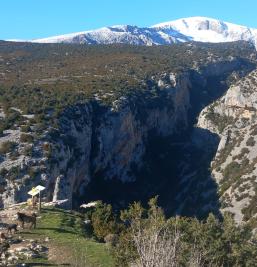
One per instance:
(233, 172)
(103, 221)
(142, 235)
(44, 79)
(7, 147)
(221, 121)
(251, 209)
(27, 151)
(254, 130)
(149, 238)
(224, 153)
(25, 128)
(13, 173)
(26, 138)
(250, 141)
(243, 152)
(65, 231)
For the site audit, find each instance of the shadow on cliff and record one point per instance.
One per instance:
(177, 167)
(198, 191)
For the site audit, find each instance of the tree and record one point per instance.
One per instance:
(103, 221)
(239, 244)
(148, 239)
(156, 240)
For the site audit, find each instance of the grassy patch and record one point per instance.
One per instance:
(68, 244)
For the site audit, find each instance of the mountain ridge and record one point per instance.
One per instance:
(201, 29)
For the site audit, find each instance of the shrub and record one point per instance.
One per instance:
(230, 173)
(111, 239)
(33, 172)
(220, 121)
(251, 209)
(13, 173)
(244, 150)
(250, 141)
(231, 170)
(25, 128)
(103, 221)
(153, 240)
(7, 147)
(254, 131)
(26, 138)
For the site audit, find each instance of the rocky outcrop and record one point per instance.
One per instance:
(108, 141)
(92, 140)
(98, 140)
(233, 118)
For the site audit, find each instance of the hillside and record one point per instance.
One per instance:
(59, 239)
(115, 122)
(70, 73)
(233, 118)
(65, 238)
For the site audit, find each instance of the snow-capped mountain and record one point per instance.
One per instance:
(125, 34)
(200, 29)
(204, 29)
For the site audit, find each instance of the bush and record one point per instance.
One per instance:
(250, 141)
(25, 128)
(26, 138)
(103, 221)
(13, 173)
(7, 147)
(244, 150)
(231, 170)
(33, 172)
(251, 209)
(153, 240)
(111, 239)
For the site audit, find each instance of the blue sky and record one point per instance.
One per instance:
(29, 19)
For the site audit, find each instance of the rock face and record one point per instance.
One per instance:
(110, 140)
(94, 142)
(233, 118)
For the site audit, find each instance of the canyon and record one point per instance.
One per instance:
(166, 139)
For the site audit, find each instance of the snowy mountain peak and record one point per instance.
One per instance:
(201, 29)
(184, 22)
(205, 29)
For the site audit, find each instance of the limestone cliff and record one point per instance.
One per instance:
(143, 134)
(233, 118)
(93, 138)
